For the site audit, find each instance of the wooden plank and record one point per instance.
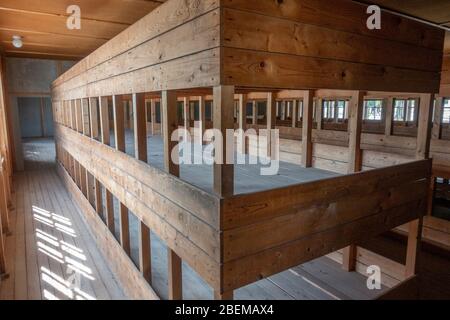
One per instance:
(242, 122)
(437, 120)
(98, 198)
(94, 117)
(104, 120)
(413, 247)
(424, 126)
(174, 276)
(145, 260)
(271, 122)
(223, 119)
(355, 127)
(281, 71)
(124, 228)
(389, 116)
(308, 105)
(85, 112)
(109, 211)
(119, 123)
(140, 126)
(78, 115)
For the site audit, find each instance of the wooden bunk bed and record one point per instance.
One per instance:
(231, 50)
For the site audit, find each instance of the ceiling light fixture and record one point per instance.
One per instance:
(17, 41)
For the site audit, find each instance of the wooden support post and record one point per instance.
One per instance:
(145, 263)
(85, 117)
(424, 126)
(413, 247)
(98, 197)
(242, 121)
(170, 124)
(93, 109)
(186, 114)
(319, 113)
(295, 110)
(78, 116)
(73, 115)
(271, 122)
(83, 181)
(307, 146)
(124, 228)
(109, 211)
(283, 110)
(202, 116)
(223, 120)
(437, 121)
(3, 269)
(104, 121)
(4, 215)
(355, 162)
(153, 116)
(119, 123)
(255, 113)
(175, 276)
(389, 116)
(354, 129)
(140, 127)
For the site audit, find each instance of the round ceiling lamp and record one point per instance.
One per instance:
(17, 41)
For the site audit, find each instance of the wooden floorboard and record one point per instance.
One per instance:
(50, 248)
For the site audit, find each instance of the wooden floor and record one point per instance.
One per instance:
(50, 252)
(49, 240)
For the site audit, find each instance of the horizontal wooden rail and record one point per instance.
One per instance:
(270, 231)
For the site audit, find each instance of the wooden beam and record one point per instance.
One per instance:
(85, 117)
(271, 111)
(145, 260)
(98, 198)
(78, 115)
(255, 113)
(413, 247)
(140, 126)
(170, 124)
(295, 107)
(124, 228)
(104, 120)
(319, 113)
(186, 114)
(94, 117)
(389, 116)
(223, 120)
(424, 126)
(242, 121)
(308, 106)
(202, 115)
(119, 123)
(437, 121)
(170, 119)
(110, 211)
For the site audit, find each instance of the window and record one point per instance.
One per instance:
(335, 110)
(373, 110)
(405, 110)
(446, 111)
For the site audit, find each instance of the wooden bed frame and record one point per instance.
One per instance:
(235, 50)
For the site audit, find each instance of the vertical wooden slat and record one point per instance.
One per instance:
(242, 120)
(170, 124)
(153, 116)
(254, 113)
(223, 120)
(73, 115)
(85, 117)
(424, 126)
(355, 161)
(271, 122)
(319, 113)
(119, 123)
(308, 105)
(145, 252)
(202, 116)
(109, 211)
(93, 109)
(3, 199)
(389, 116)
(413, 247)
(98, 197)
(437, 121)
(140, 127)
(124, 228)
(294, 113)
(78, 115)
(3, 222)
(104, 121)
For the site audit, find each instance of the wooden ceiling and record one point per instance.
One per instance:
(42, 25)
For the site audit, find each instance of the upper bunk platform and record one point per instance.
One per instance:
(292, 44)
